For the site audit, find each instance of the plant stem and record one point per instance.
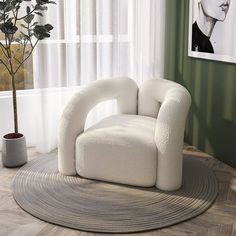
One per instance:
(14, 100)
(1, 61)
(32, 49)
(14, 103)
(3, 48)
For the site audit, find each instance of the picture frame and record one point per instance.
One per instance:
(223, 35)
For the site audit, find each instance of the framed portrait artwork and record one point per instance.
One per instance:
(212, 30)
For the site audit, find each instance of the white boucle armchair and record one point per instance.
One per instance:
(141, 145)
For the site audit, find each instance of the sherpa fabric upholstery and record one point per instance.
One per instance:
(165, 101)
(119, 149)
(73, 119)
(169, 102)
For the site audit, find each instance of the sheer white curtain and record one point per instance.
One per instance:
(91, 40)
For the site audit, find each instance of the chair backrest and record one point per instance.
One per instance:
(124, 90)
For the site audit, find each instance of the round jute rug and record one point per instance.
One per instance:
(112, 208)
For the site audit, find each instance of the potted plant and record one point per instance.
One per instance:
(19, 27)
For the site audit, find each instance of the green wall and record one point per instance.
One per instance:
(211, 125)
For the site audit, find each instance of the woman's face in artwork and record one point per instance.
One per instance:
(216, 9)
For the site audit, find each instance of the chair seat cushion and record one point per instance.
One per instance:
(120, 149)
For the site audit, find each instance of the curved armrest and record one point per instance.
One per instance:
(73, 118)
(172, 102)
(169, 137)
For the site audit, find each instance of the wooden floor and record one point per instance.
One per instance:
(220, 219)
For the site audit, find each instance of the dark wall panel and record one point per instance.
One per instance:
(212, 120)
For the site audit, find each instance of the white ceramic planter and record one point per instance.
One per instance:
(14, 151)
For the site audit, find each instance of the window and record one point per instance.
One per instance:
(24, 77)
(87, 35)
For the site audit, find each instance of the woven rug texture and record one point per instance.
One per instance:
(96, 206)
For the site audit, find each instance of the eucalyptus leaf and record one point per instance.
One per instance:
(29, 18)
(8, 28)
(18, 40)
(14, 2)
(10, 19)
(38, 13)
(42, 2)
(42, 31)
(24, 26)
(48, 27)
(9, 8)
(40, 7)
(2, 5)
(35, 23)
(24, 36)
(27, 9)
